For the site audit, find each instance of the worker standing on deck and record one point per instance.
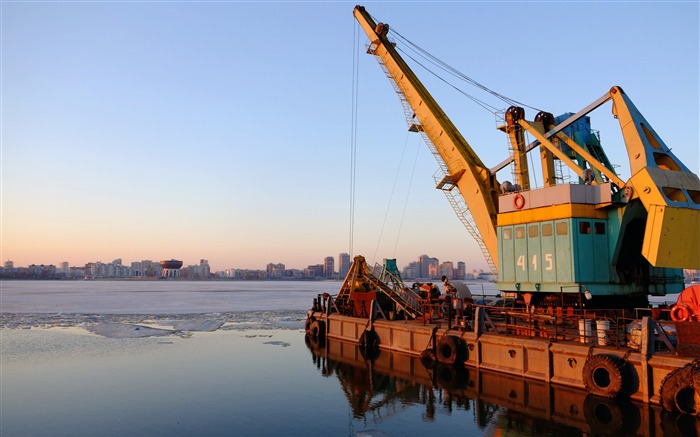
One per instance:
(461, 296)
(449, 289)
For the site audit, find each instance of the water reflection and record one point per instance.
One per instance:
(498, 404)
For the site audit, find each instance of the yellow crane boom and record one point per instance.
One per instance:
(475, 182)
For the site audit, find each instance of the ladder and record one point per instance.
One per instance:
(462, 210)
(444, 181)
(360, 274)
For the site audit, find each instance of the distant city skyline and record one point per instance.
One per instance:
(66, 264)
(160, 129)
(423, 267)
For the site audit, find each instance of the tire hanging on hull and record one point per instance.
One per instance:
(604, 376)
(369, 344)
(680, 390)
(448, 350)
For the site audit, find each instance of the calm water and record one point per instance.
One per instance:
(242, 368)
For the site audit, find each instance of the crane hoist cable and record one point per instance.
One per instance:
(391, 197)
(484, 105)
(353, 133)
(405, 203)
(453, 71)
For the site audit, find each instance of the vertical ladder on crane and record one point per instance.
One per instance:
(462, 210)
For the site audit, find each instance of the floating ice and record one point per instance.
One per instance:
(278, 343)
(125, 325)
(118, 330)
(196, 325)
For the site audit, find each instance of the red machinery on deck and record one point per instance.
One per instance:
(686, 314)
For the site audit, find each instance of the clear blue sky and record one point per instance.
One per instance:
(153, 130)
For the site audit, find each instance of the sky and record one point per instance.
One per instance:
(223, 130)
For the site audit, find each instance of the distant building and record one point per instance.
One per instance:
(428, 267)
(9, 264)
(446, 269)
(248, 275)
(171, 268)
(411, 271)
(314, 271)
(275, 271)
(343, 265)
(204, 270)
(328, 267)
(461, 271)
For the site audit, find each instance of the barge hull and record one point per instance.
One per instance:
(538, 359)
(533, 398)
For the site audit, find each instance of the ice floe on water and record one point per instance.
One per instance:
(158, 325)
(196, 325)
(119, 330)
(278, 343)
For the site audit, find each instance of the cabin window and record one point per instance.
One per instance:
(584, 227)
(520, 232)
(562, 228)
(507, 233)
(547, 230)
(599, 228)
(533, 231)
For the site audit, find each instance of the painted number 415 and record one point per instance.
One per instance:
(548, 261)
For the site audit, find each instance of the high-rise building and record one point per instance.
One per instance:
(343, 265)
(461, 270)
(411, 271)
(428, 266)
(446, 269)
(9, 264)
(423, 262)
(314, 271)
(204, 270)
(328, 267)
(275, 271)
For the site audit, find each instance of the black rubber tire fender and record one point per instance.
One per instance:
(448, 350)
(428, 358)
(603, 375)
(369, 340)
(318, 330)
(680, 390)
(307, 324)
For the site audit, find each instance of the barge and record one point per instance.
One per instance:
(576, 260)
(639, 359)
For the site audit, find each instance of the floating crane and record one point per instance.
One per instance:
(598, 247)
(600, 243)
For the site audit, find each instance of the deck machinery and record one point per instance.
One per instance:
(600, 243)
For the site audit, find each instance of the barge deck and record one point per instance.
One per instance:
(643, 374)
